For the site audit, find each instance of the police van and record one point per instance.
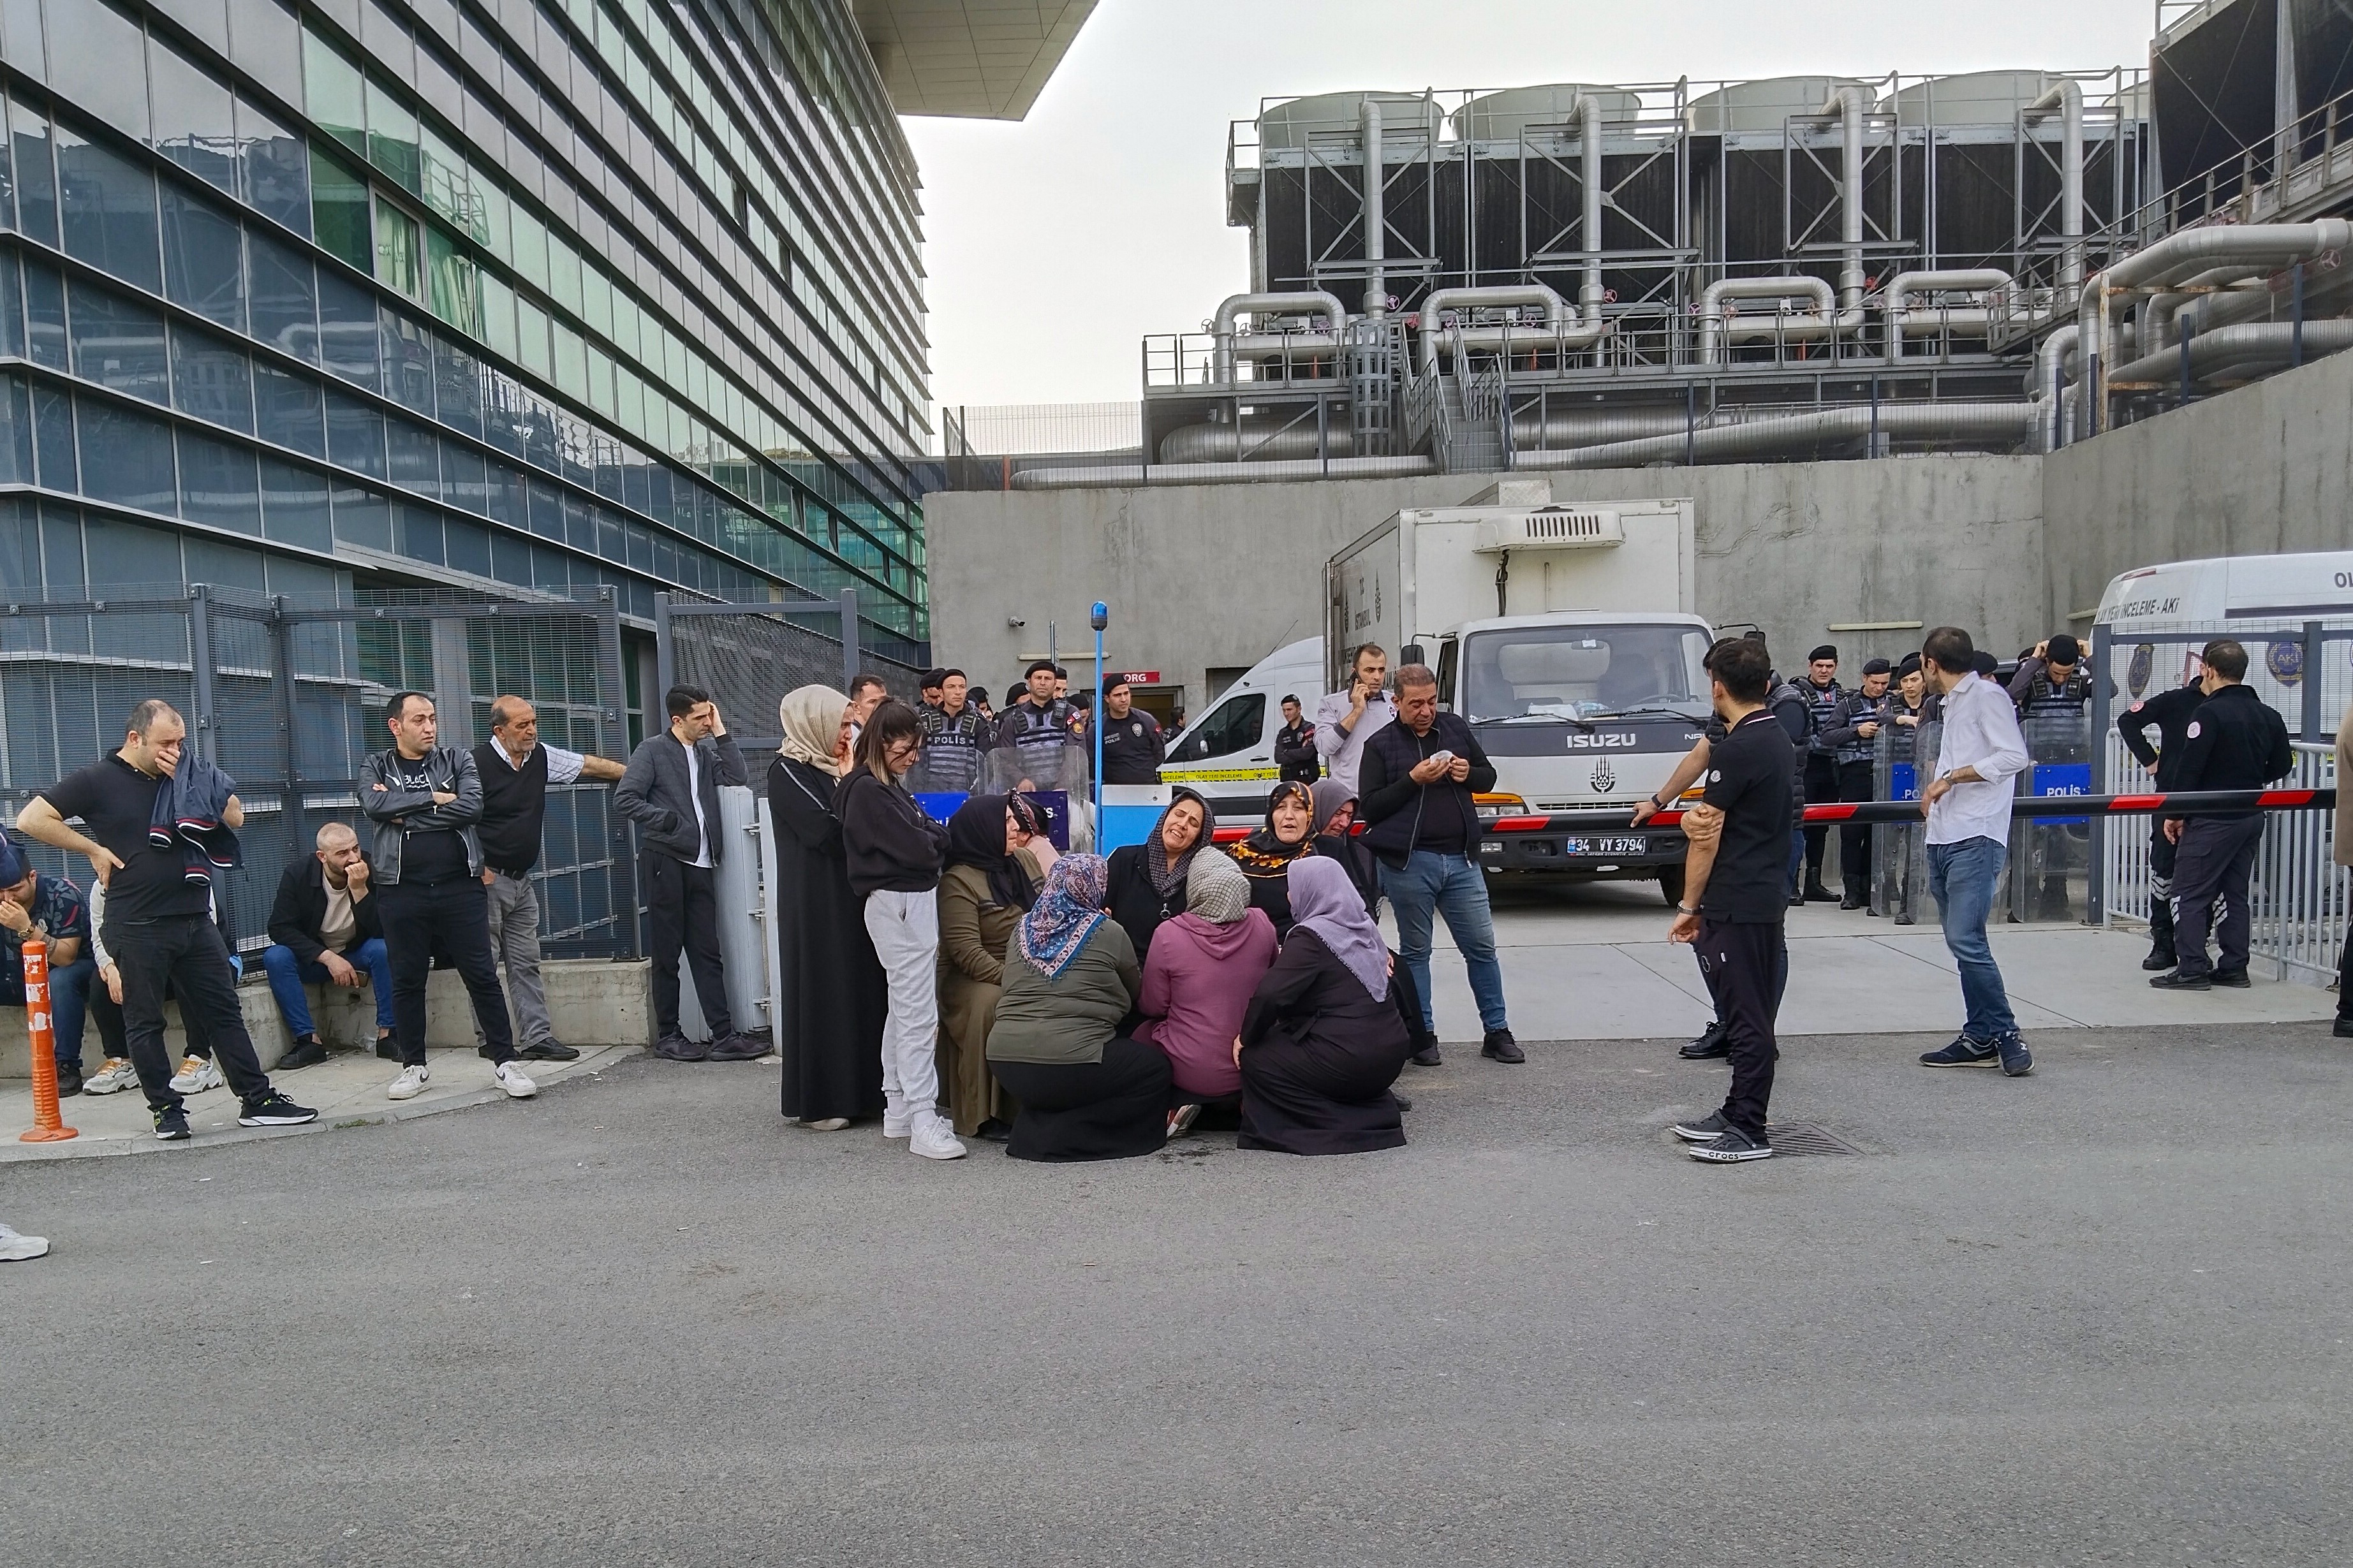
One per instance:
(2289, 611)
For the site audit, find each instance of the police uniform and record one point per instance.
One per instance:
(1853, 756)
(953, 744)
(1821, 780)
(1132, 748)
(2054, 720)
(1038, 737)
(2170, 711)
(2234, 741)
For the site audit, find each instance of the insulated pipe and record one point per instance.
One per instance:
(2002, 422)
(1978, 281)
(1376, 286)
(1560, 319)
(1303, 302)
(2050, 357)
(1710, 307)
(1588, 148)
(2067, 98)
(2250, 343)
(1123, 475)
(1847, 103)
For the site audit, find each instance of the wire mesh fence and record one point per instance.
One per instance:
(750, 656)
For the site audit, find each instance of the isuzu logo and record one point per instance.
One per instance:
(1603, 740)
(1604, 781)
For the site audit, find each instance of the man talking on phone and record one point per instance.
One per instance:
(1344, 720)
(1419, 775)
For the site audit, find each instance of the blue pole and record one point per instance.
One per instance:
(1099, 617)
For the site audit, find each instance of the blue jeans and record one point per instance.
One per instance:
(1449, 886)
(68, 1004)
(288, 974)
(1961, 879)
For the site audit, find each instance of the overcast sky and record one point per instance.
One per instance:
(1055, 244)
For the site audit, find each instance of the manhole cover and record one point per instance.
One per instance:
(1805, 1138)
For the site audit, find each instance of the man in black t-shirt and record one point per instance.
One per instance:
(1734, 895)
(158, 927)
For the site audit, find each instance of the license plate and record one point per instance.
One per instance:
(1610, 846)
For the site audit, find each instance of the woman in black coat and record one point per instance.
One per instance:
(1147, 879)
(830, 1032)
(1266, 856)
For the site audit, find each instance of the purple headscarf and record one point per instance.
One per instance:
(1324, 900)
(1066, 913)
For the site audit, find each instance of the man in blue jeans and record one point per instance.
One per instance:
(325, 930)
(1967, 805)
(1415, 784)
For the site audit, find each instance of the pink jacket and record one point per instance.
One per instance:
(1197, 982)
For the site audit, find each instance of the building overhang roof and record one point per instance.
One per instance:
(976, 59)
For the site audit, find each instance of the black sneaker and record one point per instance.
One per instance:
(1964, 1052)
(68, 1079)
(271, 1109)
(1731, 1149)
(2159, 958)
(1429, 1055)
(735, 1048)
(171, 1125)
(679, 1048)
(307, 1053)
(2011, 1051)
(1817, 894)
(2177, 980)
(2343, 1028)
(2236, 979)
(1706, 1129)
(550, 1051)
(388, 1048)
(1713, 1043)
(1500, 1047)
(1851, 903)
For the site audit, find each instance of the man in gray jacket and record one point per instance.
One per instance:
(424, 799)
(670, 790)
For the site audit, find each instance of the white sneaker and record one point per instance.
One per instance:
(16, 1248)
(409, 1084)
(116, 1076)
(934, 1139)
(514, 1081)
(196, 1075)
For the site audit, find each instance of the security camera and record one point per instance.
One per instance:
(1015, 623)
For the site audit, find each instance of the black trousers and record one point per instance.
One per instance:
(1747, 964)
(187, 953)
(1821, 787)
(2211, 866)
(2161, 855)
(450, 920)
(1716, 996)
(683, 904)
(1854, 839)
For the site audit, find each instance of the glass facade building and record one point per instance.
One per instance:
(495, 294)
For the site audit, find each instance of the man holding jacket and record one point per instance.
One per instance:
(670, 790)
(425, 799)
(1416, 781)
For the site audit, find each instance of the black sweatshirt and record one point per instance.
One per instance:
(891, 845)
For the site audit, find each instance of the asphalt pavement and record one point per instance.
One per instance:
(2097, 1315)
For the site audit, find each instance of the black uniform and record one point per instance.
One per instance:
(1295, 757)
(1132, 748)
(1741, 944)
(2170, 711)
(1822, 704)
(2234, 741)
(1855, 756)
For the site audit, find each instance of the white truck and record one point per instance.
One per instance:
(1566, 635)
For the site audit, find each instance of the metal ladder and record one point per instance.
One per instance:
(1373, 350)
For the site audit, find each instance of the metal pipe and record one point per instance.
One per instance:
(1847, 103)
(2249, 246)
(1587, 109)
(1122, 475)
(2067, 98)
(1976, 281)
(1712, 328)
(2003, 423)
(1288, 443)
(1306, 301)
(2248, 344)
(1377, 286)
(1561, 319)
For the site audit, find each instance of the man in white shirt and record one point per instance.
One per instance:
(1344, 720)
(1968, 806)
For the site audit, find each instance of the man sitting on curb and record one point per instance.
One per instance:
(51, 909)
(325, 929)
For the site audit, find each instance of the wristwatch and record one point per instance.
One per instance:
(1686, 910)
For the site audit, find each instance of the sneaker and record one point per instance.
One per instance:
(2177, 980)
(307, 1053)
(1706, 1129)
(897, 1120)
(2016, 1060)
(1181, 1120)
(934, 1139)
(271, 1109)
(1427, 1056)
(734, 1047)
(679, 1048)
(388, 1048)
(410, 1083)
(2159, 958)
(1732, 1148)
(2236, 979)
(1712, 1044)
(68, 1079)
(551, 1051)
(828, 1124)
(1816, 893)
(1850, 903)
(514, 1080)
(17, 1248)
(1964, 1052)
(1500, 1047)
(2343, 1028)
(116, 1076)
(196, 1075)
(171, 1125)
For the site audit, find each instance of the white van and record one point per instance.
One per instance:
(2156, 618)
(1227, 754)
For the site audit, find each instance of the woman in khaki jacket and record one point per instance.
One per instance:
(998, 858)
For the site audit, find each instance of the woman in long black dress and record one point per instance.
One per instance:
(830, 1031)
(1266, 856)
(1147, 881)
(1323, 1039)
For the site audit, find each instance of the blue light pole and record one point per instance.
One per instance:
(1098, 617)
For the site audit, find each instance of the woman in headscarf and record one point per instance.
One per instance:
(1198, 982)
(1147, 879)
(994, 873)
(830, 1032)
(1323, 1039)
(1335, 821)
(1265, 857)
(1086, 1090)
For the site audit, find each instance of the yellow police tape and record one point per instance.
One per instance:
(1215, 775)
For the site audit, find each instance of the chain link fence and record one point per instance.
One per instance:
(750, 656)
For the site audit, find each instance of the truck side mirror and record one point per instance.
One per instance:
(1410, 653)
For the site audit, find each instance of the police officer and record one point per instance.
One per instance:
(1296, 760)
(1132, 746)
(955, 734)
(1037, 729)
(1853, 741)
(2234, 741)
(2170, 711)
(2052, 691)
(1823, 694)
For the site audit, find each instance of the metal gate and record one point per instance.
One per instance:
(748, 655)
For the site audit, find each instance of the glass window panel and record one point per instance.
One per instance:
(549, 568)
(419, 535)
(509, 499)
(196, 119)
(273, 167)
(12, 308)
(119, 343)
(33, 173)
(458, 387)
(266, 41)
(20, 37)
(217, 483)
(564, 274)
(511, 559)
(399, 247)
(437, 79)
(530, 333)
(339, 211)
(224, 564)
(212, 379)
(546, 510)
(204, 261)
(415, 456)
(407, 360)
(110, 212)
(386, 37)
(447, 188)
(354, 434)
(572, 363)
(453, 285)
(468, 546)
(465, 478)
(391, 144)
(580, 524)
(15, 431)
(333, 92)
(53, 439)
(289, 410)
(499, 318)
(99, 60)
(284, 298)
(347, 330)
(492, 218)
(207, 20)
(530, 245)
(126, 457)
(294, 506)
(362, 517)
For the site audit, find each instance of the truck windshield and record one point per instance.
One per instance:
(1584, 672)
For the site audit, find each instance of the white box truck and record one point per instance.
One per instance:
(1566, 637)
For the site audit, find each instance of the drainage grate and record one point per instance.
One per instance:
(1805, 1138)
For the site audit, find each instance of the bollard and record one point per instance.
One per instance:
(49, 1121)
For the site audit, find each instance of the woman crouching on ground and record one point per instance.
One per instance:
(1198, 982)
(997, 850)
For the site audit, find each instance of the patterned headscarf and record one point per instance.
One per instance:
(809, 718)
(1216, 889)
(1065, 914)
(1264, 855)
(1167, 875)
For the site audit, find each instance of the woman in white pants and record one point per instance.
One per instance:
(895, 853)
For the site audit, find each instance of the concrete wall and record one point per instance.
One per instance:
(1215, 576)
